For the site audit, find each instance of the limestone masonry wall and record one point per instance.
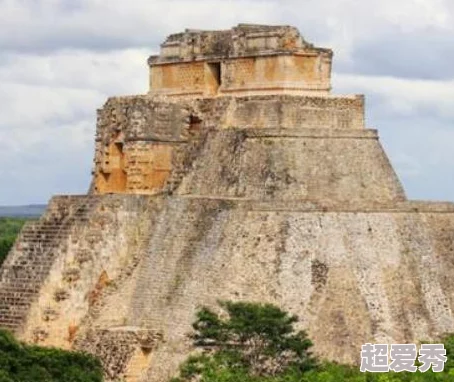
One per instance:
(283, 112)
(350, 276)
(301, 164)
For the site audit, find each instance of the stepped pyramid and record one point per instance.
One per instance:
(239, 176)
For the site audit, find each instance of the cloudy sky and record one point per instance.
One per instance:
(60, 60)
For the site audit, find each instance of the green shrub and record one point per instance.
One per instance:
(24, 363)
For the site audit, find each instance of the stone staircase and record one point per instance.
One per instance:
(37, 247)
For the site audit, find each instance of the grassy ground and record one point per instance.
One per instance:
(9, 229)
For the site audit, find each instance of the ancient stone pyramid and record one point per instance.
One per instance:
(239, 177)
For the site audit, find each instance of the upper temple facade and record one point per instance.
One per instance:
(251, 76)
(245, 60)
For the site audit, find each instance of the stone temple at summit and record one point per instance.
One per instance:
(238, 176)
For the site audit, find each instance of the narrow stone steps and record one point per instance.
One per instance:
(34, 254)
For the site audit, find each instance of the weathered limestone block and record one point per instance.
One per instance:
(134, 144)
(115, 347)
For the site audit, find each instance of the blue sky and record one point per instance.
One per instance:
(60, 60)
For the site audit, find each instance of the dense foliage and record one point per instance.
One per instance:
(252, 342)
(23, 363)
(257, 343)
(9, 228)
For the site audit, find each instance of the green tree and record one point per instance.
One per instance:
(246, 342)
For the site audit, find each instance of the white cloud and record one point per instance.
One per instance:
(123, 70)
(408, 166)
(48, 114)
(403, 96)
(112, 24)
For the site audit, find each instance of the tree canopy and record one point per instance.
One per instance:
(251, 340)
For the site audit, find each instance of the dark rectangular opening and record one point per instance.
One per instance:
(215, 68)
(194, 124)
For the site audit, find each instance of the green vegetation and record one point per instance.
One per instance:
(9, 228)
(257, 343)
(23, 363)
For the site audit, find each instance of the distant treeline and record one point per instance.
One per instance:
(9, 229)
(29, 211)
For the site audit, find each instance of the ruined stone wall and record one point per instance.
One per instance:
(135, 144)
(62, 268)
(141, 118)
(149, 165)
(242, 40)
(352, 274)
